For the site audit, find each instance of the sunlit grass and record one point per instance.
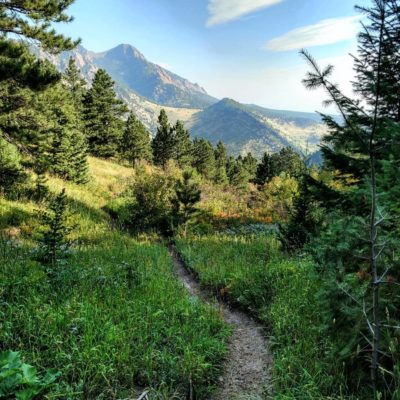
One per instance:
(115, 319)
(251, 272)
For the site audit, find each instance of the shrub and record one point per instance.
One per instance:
(153, 196)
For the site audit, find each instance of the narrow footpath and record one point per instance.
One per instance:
(246, 373)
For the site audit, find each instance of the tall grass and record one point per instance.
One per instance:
(283, 293)
(114, 320)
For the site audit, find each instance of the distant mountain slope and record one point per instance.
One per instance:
(147, 88)
(251, 128)
(129, 68)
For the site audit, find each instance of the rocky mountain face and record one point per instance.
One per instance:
(130, 69)
(147, 88)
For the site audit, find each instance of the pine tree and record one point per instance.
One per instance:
(164, 143)
(34, 20)
(265, 171)
(59, 154)
(358, 147)
(79, 171)
(250, 164)
(204, 158)
(75, 83)
(183, 145)
(54, 243)
(287, 161)
(239, 175)
(11, 172)
(102, 114)
(136, 142)
(187, 195)
(61, 147)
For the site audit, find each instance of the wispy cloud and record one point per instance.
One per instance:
(328, 31)
(228, 10)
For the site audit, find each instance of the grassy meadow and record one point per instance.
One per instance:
(115, 320)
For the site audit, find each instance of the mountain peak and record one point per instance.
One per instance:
(127, 50)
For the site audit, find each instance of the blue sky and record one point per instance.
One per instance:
(243, 49)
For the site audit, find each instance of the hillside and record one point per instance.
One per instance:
(246, 128)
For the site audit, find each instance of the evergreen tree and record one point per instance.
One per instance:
(61, 147)
(75, 83)
(204, 158)
(59, 154)
(250, 164)
(34, 19)
(358, 149)
(102, 114)
(11, 172)
(187, 195)
(21, 75)
(136, 142)
(265, 170)
(164, 143)
(54, 243)
(239, 175)
(287, 161)
(183, 146)
(79, 171)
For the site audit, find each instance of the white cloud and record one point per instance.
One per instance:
(228, 10)
(328, 31)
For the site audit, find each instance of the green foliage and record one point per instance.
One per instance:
(283, 293)
(221, 159)
(357, 237)
(204, 158)
(54, 243)
(153, 197)
(304, 219)
(22, 380)
(164, 142)
(75, 83)
(183, 146)
(33, 19)
(188, 194)
(11, 172)
(61, 148)
(119, 320)
(102, 115)
(135, 143)
(265, 171)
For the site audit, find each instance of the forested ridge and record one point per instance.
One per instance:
(92, 306)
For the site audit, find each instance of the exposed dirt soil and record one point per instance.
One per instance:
(246, 371)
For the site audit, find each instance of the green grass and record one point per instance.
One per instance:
(251, 272)
(115, 320)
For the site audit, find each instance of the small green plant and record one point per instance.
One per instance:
(55, 243)
(22, 381)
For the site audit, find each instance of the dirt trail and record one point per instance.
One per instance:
(246, 371)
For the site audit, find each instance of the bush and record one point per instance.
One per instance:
(153, 196)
